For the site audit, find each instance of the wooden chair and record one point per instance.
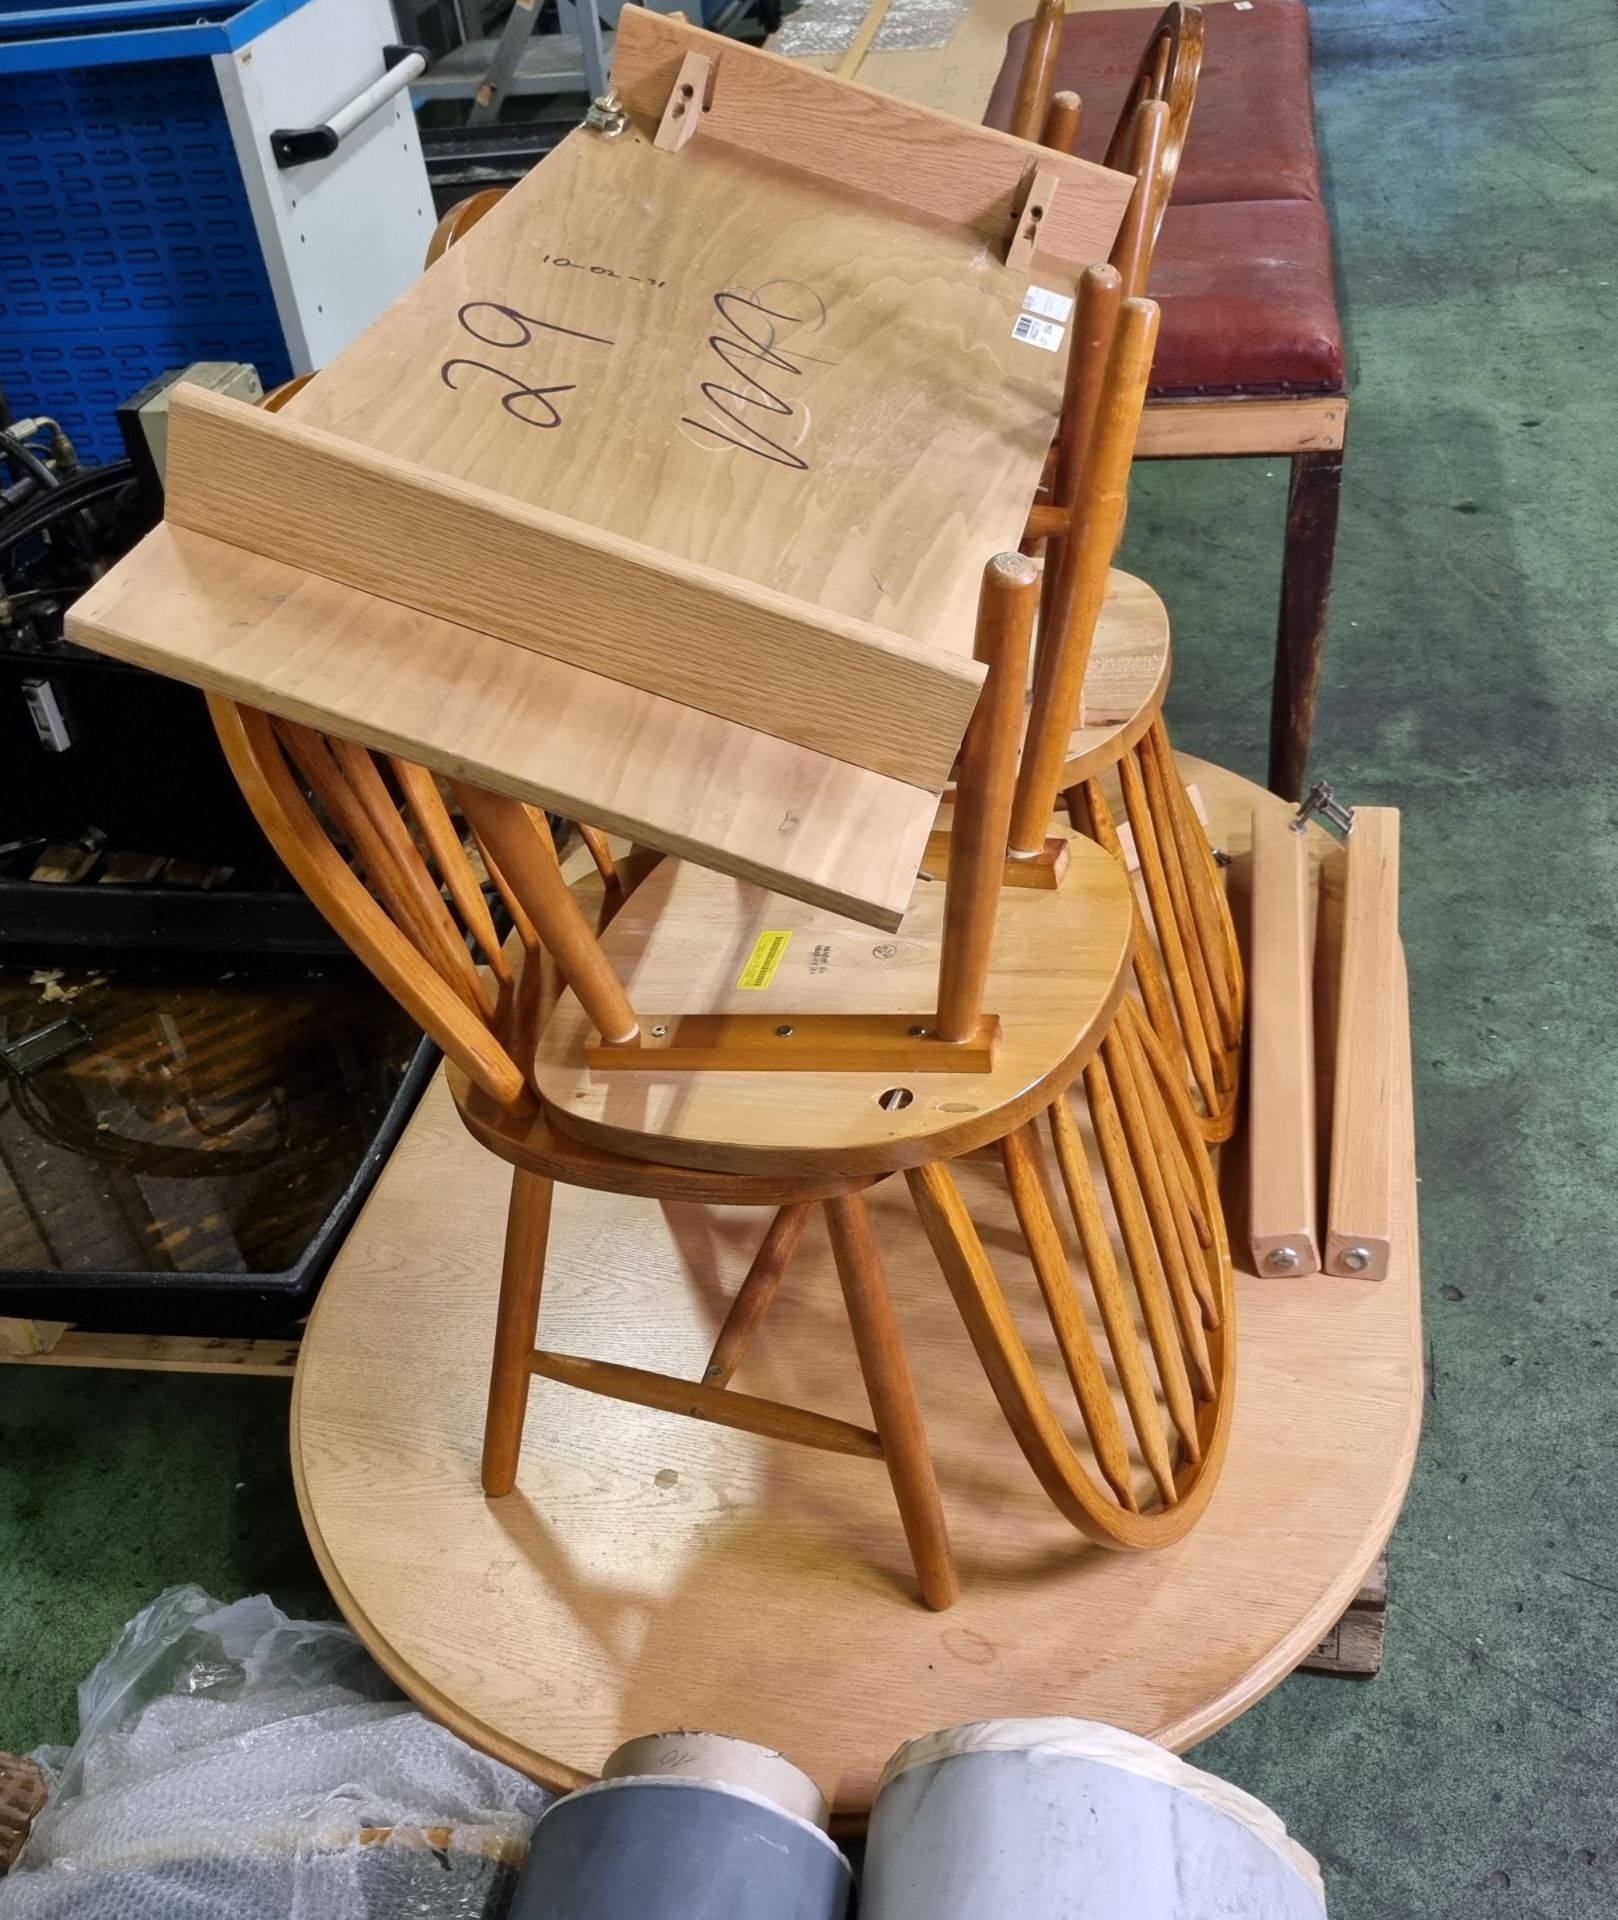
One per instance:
(1112, 675)
(371, 841)
(1251, 363)
(459, 220)
(553, 1070)
(379, 858)
(1168, 72)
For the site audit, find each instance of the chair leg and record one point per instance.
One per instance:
(522, 1274)
(755, 1294)
(1300, 640)
(892, 1392)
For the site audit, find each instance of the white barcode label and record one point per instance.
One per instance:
(1037, 332)
(1053, 305)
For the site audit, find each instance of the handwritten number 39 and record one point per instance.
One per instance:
(518, 393)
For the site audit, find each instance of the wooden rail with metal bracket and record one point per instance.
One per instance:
(911, 157)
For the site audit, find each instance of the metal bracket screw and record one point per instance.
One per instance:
(1320, 799)
(605, 115)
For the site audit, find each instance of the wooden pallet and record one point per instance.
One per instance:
(54, 1343)
(22, 1794)
(1354, 1645)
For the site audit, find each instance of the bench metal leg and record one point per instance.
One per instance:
(1300, 640)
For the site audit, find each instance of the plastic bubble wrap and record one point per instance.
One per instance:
(829, 26)
(233, 1764)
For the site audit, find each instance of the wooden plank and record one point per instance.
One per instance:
(686, 103)
(851, 62)
(165, 1353)
(1359, 1206)
(687, 939)
(896, 1043)
(911, 157)
(473, 707)
(1373, 1594)
(698, 1402)
(1190, 429)
(296, 494)
(28, 1339)
(1282, 1216)
(1033, 209)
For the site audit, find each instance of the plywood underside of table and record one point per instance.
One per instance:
(653, 1572)
(742, 369)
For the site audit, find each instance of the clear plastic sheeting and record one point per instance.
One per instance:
(238, 1765)
(829, 26)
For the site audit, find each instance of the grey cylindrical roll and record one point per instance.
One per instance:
(721, 1759)
(668, 1845)
(1072, 1820)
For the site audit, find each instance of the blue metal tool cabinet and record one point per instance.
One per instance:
(145, 221)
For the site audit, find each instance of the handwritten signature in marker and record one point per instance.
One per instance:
(747, 348)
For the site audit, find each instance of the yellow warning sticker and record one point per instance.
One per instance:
(769, 949)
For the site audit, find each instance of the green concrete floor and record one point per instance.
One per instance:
(1470, 681)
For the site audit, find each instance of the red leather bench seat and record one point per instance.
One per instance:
(1247, 299)
(1243, 268)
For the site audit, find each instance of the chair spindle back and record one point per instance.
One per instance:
(1168, 71)
(1110, 405)
(1030, 110)
(377, 861)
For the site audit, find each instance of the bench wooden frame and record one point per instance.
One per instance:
(1310, 431)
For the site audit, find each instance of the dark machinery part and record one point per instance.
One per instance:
(186, 1149)
(121, 829)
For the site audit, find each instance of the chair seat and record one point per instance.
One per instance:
(530, 1141)
(1252, 134)
(1125, 678)
(1128, 668)
(681, 944)
(1248, 300)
